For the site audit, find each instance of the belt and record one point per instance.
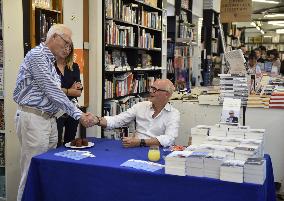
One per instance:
(36, 111)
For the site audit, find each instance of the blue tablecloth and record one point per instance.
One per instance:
(54, 178)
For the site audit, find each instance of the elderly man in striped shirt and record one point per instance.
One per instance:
(40, 99)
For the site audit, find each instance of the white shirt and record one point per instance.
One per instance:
(164, 126)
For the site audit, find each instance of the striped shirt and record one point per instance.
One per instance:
(38, 85)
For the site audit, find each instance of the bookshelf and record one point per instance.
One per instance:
(132, 51)
(181, 39)
(39, 16)
(212, 44)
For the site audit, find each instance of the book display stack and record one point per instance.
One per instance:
(254, 171)
(176, 163)
(132, 52)
(232, 86)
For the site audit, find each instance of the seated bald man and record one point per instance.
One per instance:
(157, 122)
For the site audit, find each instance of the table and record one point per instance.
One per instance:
(54, 178)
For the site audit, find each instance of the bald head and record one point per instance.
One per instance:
(165, 84)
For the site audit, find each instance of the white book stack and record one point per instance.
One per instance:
(209, 148)
(232, 170)
(214, 140)
(255, 142)
(199, 134)
(196, 164)
(212, 164)
(225, 151)
(255, 171)
(191, 148)
(245, 151)
(255, 134)
(236, 133)
(218, 131)
(176, 163)
(229, 141)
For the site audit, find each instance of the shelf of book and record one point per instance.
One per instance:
(181, 38)
(38, 17)
(132, 51)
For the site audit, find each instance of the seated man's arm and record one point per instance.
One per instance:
(171, 131)
(136, 142)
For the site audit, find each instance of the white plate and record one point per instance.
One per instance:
(90, 144)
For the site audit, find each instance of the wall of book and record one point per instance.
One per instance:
(181, 38)
(2, 119)
(133, 35)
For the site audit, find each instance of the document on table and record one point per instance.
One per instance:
(142, 165)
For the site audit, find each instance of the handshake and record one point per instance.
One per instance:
(89, 120)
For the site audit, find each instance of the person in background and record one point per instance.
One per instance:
(245, 51)
(157, 122)
(273, 56)
(258, 55)
(232, 118)
(253, 68)
(69, 73)
(263, 52)
(40, 99)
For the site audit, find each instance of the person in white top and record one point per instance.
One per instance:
(157, 122)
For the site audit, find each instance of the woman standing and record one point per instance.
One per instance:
(71, 85)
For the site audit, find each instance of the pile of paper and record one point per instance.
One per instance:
(245, 151)
(255, 134)
(255, 170)
(177, 162)
(232, 170)
(236, 133)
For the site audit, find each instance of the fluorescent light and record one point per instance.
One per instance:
(261, 31)
(266, 1)
(277, 23)
(274, 15)
(267, 36)
(258, 28)
(279, 31)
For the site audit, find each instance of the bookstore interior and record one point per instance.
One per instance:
(185, 95)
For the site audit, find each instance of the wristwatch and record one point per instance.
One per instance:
(142, 143)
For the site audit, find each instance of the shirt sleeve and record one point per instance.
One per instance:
(171, 132)
(43, 77)
(121, 119)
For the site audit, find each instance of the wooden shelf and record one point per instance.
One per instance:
(135, 48)
(149, 6)
(132, 94)
(48, 9)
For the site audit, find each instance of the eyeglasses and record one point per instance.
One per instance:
(154, 89)
(67, 45)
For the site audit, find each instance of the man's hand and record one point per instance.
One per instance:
(131, 141)
(88, 120)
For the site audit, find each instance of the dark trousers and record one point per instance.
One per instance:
(70, 125)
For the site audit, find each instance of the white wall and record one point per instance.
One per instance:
(13, 56)
(95, 63)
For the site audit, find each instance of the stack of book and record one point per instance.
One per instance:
(196, 164)
(277, 98)
(258, 101)
(176, 163)
(218, 131)
(232, 170)
(214, 140)
(259, 143)
(225, 151)
(212, 164)
(232, 86)
(209, 99)
(245, 151)
(199, 134)
(255, 134)
(229, 141)
(236, 133)
(255, 171)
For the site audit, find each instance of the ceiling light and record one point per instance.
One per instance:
(253, 24)
(266, 1)
(279, 31)
(258, 28)
(274, 15)
(278, 23)
(261, 31)
(267, 36)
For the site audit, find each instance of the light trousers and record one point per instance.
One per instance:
(36, 135)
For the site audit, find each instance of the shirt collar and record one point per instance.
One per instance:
(167, 107)
(47, 52)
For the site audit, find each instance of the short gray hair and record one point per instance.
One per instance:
(56, 29)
